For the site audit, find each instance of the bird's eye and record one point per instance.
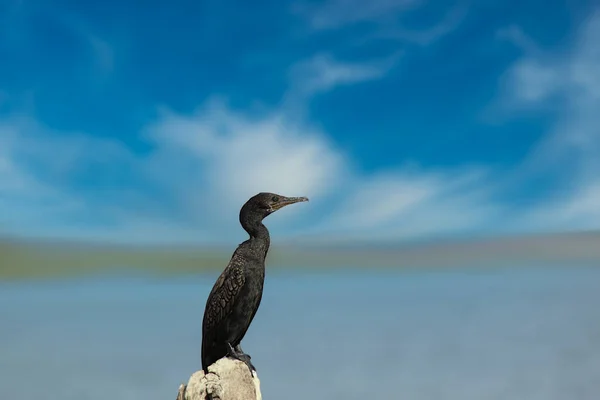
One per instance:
(274, 199)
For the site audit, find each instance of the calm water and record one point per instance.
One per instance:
(531, 334)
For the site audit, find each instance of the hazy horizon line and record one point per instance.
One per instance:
(28, 259)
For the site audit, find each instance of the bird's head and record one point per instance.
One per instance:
(263, 204)
(268, 203)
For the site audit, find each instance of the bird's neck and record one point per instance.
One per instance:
(256, 248)
(259, 240)
(259, 235)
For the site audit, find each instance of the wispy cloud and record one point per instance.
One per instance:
(100, 52)
(45, 186)
(103, 53)
(235, 156)
(569, 82)
(203, 166)
(384, 18)
(410, 202)
(201, 169)
(333, 14)
(428, 35)
(18, 22)
(323, 72)
(228, 156)
(25, 199)
(574, 210)
(197, 168)
(515, 35)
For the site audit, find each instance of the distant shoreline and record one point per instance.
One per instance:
(21, 259)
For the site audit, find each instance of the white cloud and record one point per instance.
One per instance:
(516, 35)
(572, 73)
(20, 16)
(572, 211)
(323, 73)
(203, 167)
(100, 51)
(103, 53)
(382, 16)
(448, 23)
(24, 198)
(337, 13)
(240, 156)
(571, 80)
(415, 203)
(384, 199)
(234, 156)
(534, 80)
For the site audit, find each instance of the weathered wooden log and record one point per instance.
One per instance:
(227, 379)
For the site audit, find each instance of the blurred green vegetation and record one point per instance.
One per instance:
(26, 260)
(20, 259)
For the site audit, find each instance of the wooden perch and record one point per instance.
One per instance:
(227, 379)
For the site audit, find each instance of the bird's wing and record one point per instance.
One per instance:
(222, 296)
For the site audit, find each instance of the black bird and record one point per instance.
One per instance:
(236, 295)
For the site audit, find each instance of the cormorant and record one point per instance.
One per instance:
(236, 295)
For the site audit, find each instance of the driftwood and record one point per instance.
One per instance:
(227, 379)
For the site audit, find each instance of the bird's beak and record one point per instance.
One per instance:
(286, 201)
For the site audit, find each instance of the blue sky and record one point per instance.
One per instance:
(408, 119)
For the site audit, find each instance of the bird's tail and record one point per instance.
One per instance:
(203, 357)
(207, 355)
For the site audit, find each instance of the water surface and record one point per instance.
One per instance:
(521, 333)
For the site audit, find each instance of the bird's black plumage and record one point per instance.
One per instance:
(237, 293)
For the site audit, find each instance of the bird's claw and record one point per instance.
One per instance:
(230, 350)
(240, 355)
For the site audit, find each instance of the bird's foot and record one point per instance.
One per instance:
(238, 354)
